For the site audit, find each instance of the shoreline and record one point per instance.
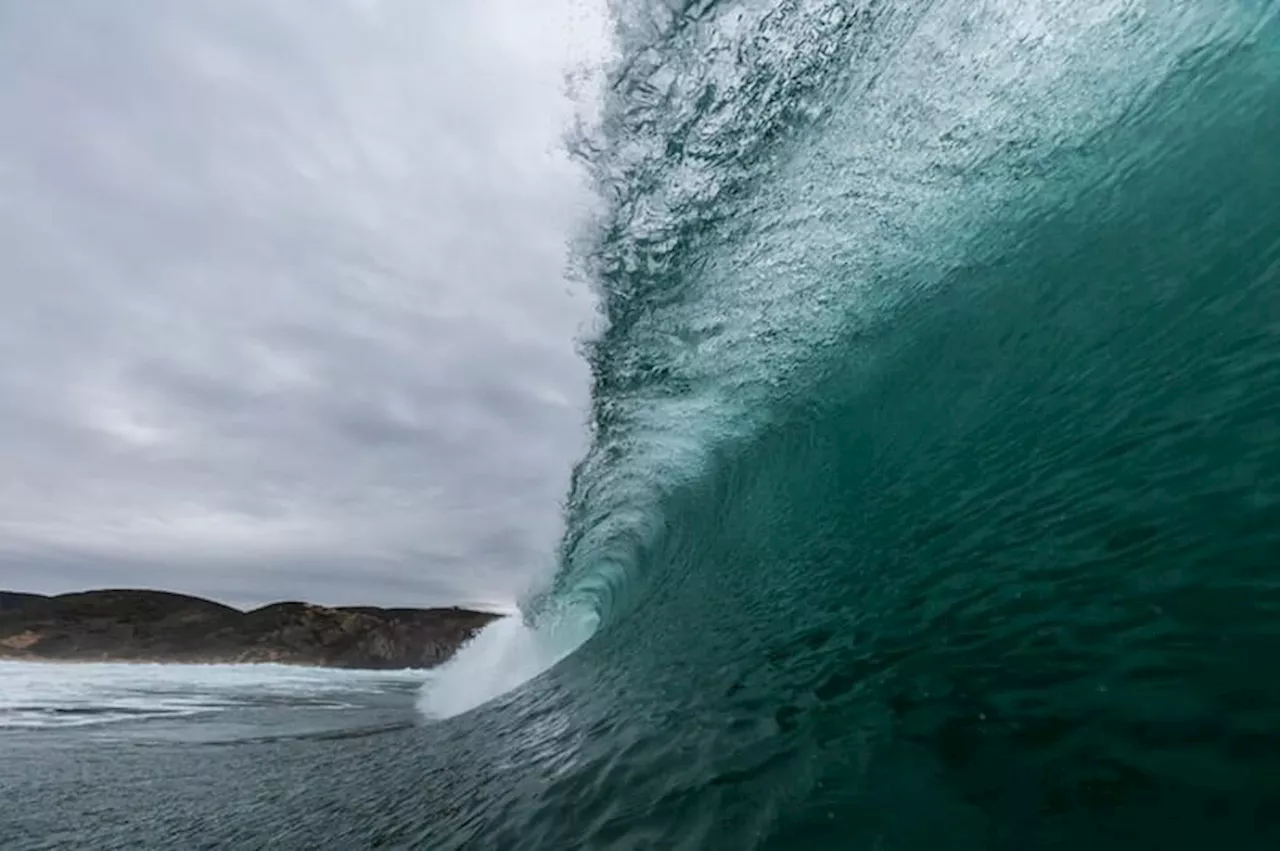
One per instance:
(142, 626)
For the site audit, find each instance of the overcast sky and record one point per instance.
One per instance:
(283, 303)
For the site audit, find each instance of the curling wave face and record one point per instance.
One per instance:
(934, 495)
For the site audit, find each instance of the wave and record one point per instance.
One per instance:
(894, 153)
(933, 490)
(788, 180)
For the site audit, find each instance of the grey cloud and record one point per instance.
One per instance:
(283, 308)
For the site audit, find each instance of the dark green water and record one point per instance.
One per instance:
(934, 500)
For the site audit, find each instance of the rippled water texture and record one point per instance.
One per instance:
(934, 498)
(935, 494)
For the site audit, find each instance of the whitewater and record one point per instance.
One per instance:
(197, 702)
(933, 495)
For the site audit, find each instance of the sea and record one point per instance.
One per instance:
(933, 498)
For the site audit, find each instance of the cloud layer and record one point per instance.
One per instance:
(285, 312)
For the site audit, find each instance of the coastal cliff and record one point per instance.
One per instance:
(158, 626)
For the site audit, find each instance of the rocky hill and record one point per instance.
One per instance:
(157, 626)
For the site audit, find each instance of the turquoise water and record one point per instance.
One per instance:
(935, 493)
(934, 498)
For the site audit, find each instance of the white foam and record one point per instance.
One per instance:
(502, 656)
(41, 695)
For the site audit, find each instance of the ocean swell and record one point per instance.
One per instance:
(932, 500)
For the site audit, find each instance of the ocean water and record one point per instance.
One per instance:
(934, 492)
(140, 755)
(200, 703)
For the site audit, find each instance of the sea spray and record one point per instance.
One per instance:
(503, 655)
